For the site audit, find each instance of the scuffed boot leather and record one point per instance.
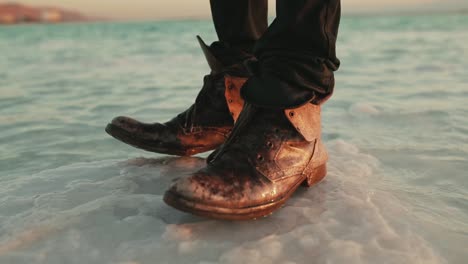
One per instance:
(202, 127)
(269, 154)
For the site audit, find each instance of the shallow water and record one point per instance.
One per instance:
(396, 129)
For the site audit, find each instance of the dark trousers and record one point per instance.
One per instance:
(295, 55)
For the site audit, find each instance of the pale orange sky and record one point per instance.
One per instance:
(161, 9)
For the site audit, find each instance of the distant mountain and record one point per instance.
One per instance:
(13, 13)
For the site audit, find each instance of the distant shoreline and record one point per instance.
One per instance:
(14, 14)
(79, 19)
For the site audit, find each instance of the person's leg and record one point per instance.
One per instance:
(208, 122)
(297, 55)
(239, 23)
(276, 142)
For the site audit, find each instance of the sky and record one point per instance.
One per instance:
(164, 9)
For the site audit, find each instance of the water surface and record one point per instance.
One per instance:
(396, 129)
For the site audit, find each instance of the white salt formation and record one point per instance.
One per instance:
(112, 212)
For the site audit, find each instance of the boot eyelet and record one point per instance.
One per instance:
(291, 114)
(231, 101)
(269, 144)
(260, 158)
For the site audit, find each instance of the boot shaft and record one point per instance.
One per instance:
(279, 143)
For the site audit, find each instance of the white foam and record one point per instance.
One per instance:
(112, 212)
(364, 108)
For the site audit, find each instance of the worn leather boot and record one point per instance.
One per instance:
(269, 154)
(206, 124)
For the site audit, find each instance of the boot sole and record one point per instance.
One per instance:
(127, 138)
(246, 213)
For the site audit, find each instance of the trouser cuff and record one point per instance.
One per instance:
(278, 83)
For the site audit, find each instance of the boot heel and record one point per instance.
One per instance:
(315, 176)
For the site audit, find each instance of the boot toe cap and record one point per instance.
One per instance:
(212, 189)
(199, 187)
(125, 123)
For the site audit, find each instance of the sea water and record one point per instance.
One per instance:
(396, 130)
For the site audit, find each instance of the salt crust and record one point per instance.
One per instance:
(112, 212)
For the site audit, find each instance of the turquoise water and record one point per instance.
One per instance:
(396, 129)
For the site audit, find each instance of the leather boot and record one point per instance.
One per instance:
(269, 154)
(206, 124)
